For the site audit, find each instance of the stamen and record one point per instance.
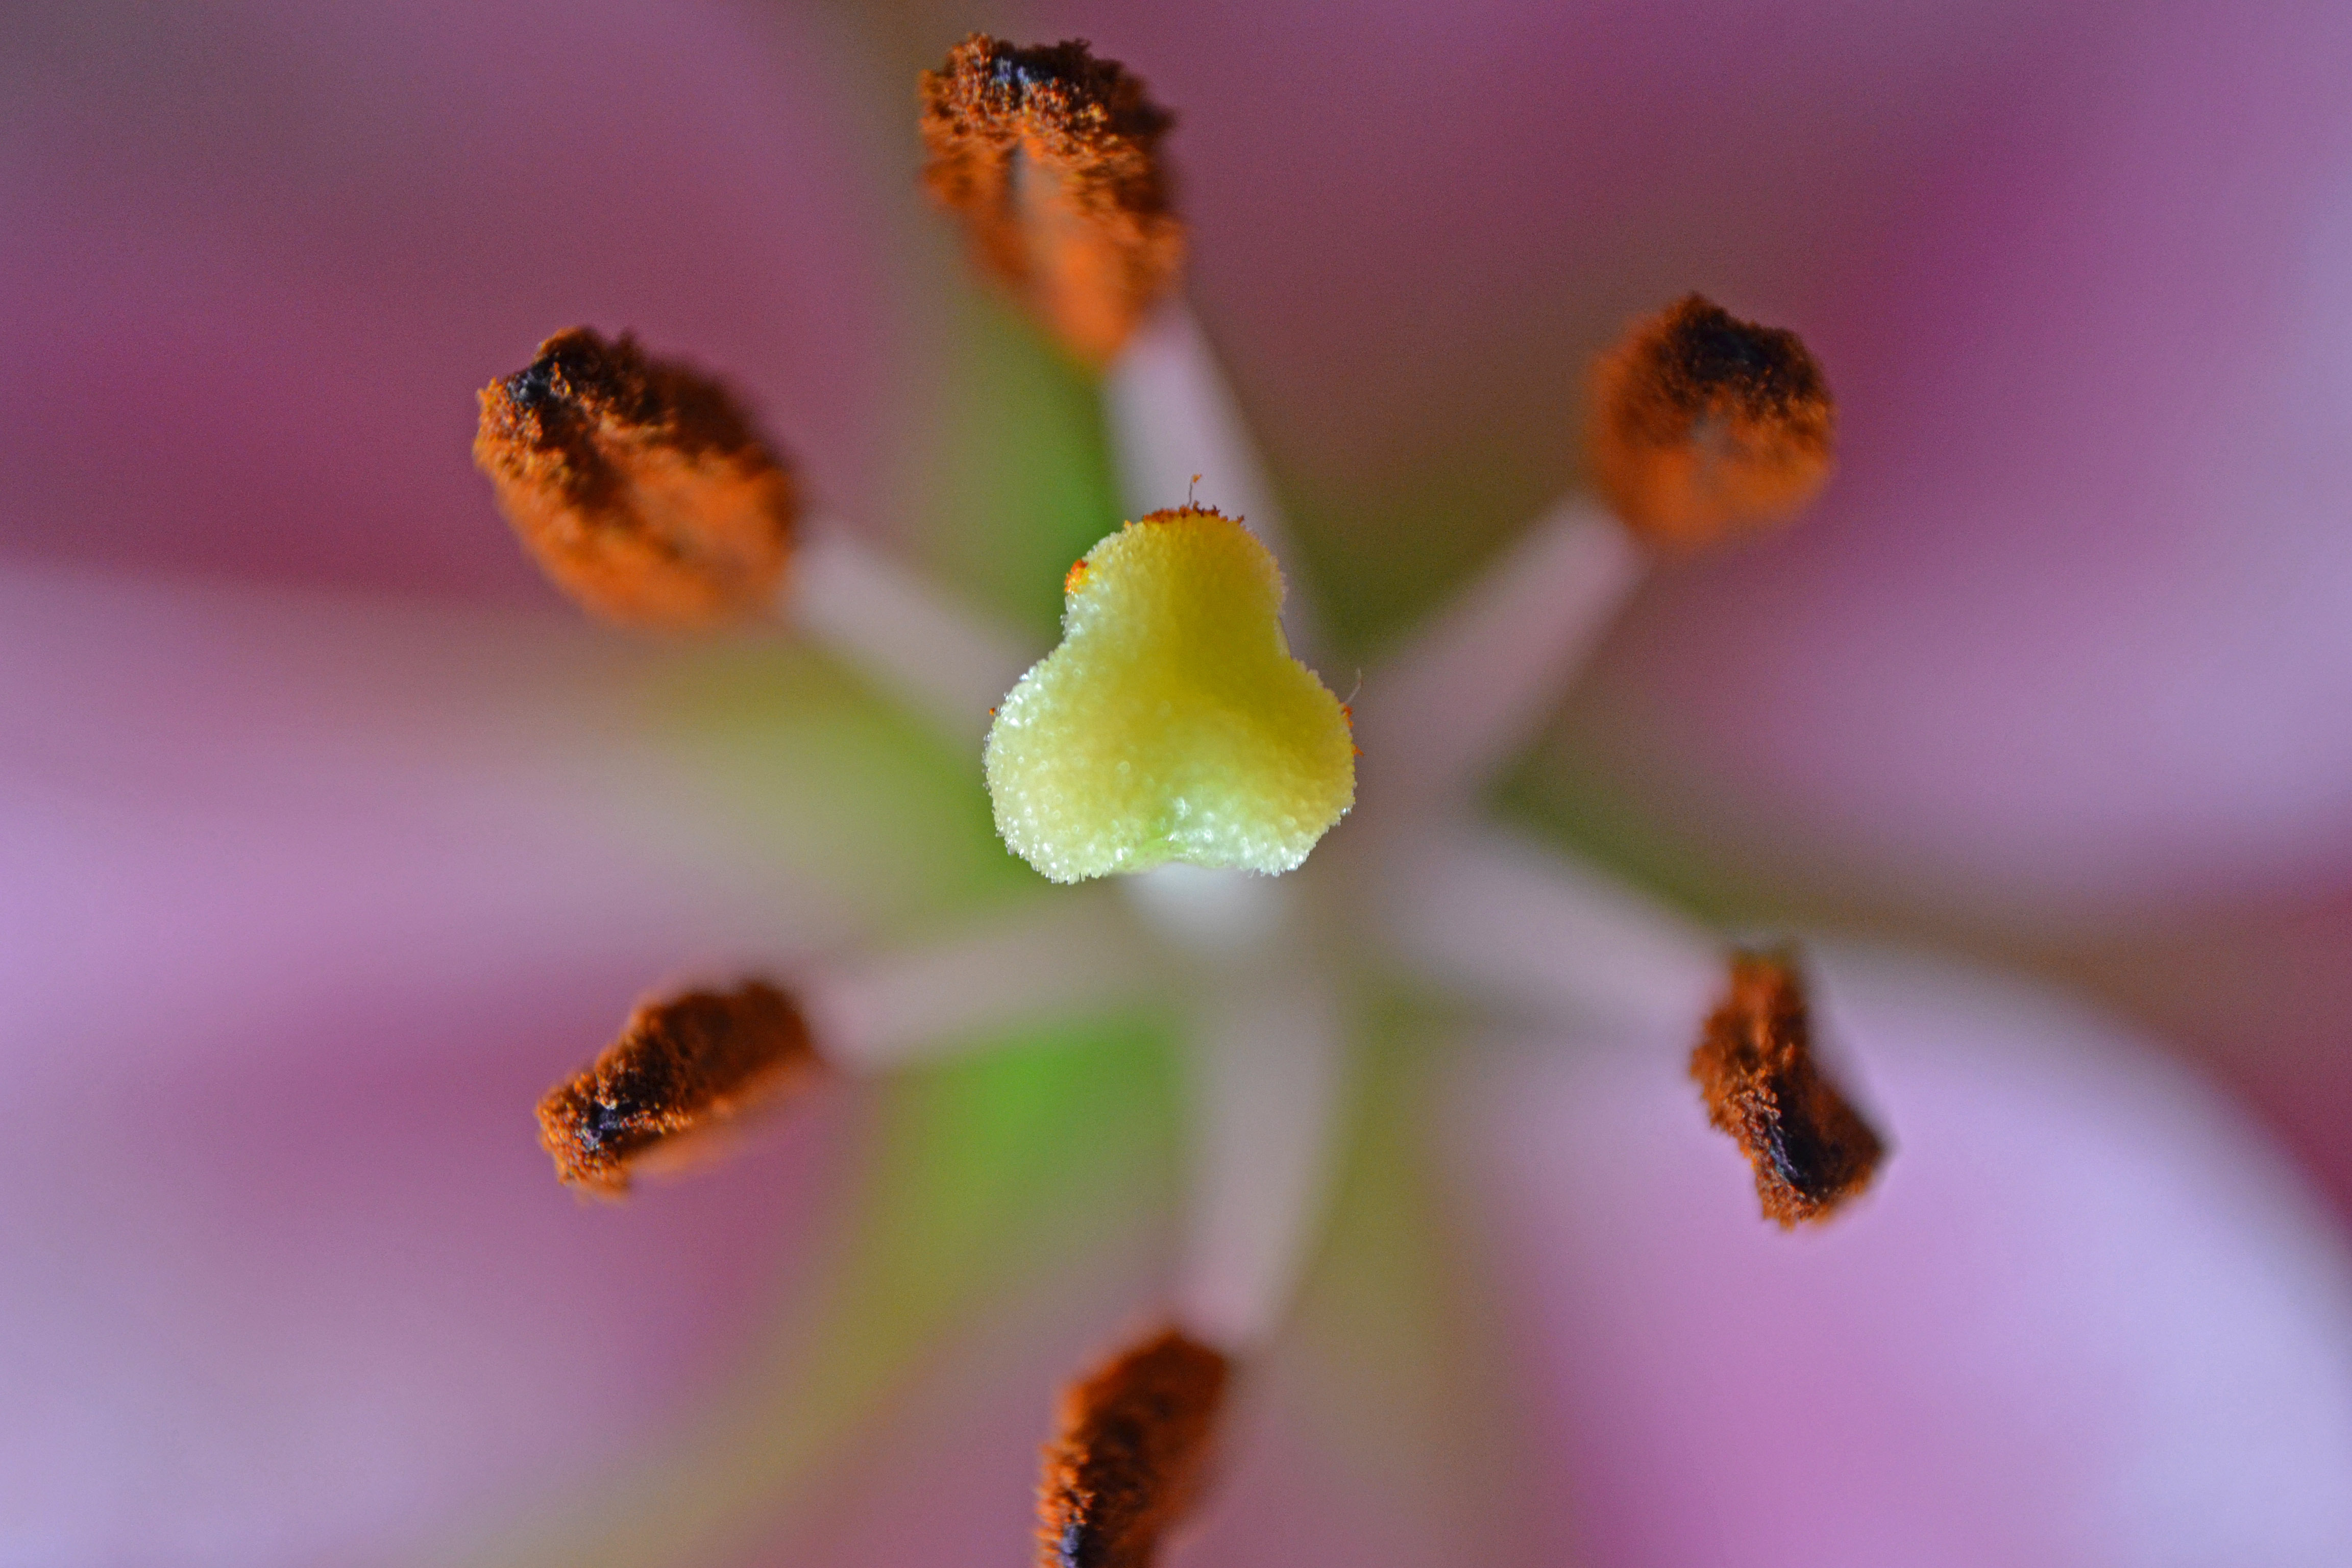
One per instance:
(1129, 1460)
(684, 1065)
(1173, 420)
(899, 632)
(1268, 1065)
(1051, 158)
(1058, 958)
(1811, 1148)
(1171, 723)
(637, 484)
(1217, 917)
(1473, 684)
(1503, 917)
(1703, 426)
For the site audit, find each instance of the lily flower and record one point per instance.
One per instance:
(322, 887)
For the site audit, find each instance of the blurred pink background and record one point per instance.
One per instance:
(328, 838)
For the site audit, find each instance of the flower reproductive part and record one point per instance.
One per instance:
(1173, 744)
(1051, 159)
(637, 484)
(1701, 426)
(1129, 1457)
(1172, 722)
(1811, 1149)
(686, 1067)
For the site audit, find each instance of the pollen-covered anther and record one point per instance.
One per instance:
(1130, 1455)
(1701, 426)
(686, 1067)
(1171, 723)
(1051, 159)
(637, 484)
(1811, 1148)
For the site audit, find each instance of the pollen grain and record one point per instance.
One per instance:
(1129, 1457)
(637, 484)
(1702, 426)
(1811, 1148)
(1051, 159)
(686, 1066)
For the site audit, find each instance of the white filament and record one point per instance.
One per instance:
(1219, 915)
(901, 633)
(1173, 417)
(1506, 917)
(1069, 955)
(1473, 685)
(1267, 1062)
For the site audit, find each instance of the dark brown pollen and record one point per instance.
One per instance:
(1811, 1148)
(1051, 159)
(684, 1065)
(638, 483)
(1131, 1453)
(1702, 424)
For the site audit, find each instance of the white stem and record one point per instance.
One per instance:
(1499, 915)
(1172, 416)
(1217, 915)
(901, 633)
(1474, 684)
(1063, 957)
(1268, 1062)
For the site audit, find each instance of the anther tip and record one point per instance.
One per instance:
(1811, 1148)
(1050, 157)
(684, 1065)
(1703, 426)
(1130, 1455)
(637, 484)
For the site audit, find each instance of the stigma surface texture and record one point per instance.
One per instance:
(1171, 723)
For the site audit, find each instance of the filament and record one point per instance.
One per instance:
(1173, 420)
(905, 636)
(1063, 956)
(1473, 685)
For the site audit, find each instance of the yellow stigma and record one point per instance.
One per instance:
(1171, 723)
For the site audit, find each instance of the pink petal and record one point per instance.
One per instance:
(2261, 994)
(2075, 621)
(302, 905)
(2086, 1317)
(260, 256)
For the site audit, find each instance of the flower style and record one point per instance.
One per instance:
(378, 869)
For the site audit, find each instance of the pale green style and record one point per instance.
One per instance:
(1171, 723)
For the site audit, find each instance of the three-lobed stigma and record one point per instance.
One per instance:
(1171, 723)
